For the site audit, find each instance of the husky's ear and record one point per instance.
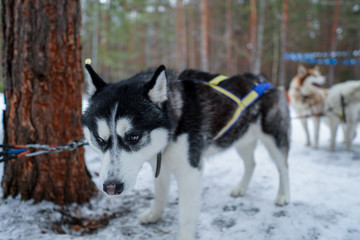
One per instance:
(97, 83)
(157, 86)
(301, 70)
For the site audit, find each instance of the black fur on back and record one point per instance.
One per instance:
(206, 111)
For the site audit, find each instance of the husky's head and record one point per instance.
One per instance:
(127, 124)
(310, 80)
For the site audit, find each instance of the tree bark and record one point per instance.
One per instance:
(43, 86)
(283, 41)
(333, 44)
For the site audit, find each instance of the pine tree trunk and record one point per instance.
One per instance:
(283, 41)
(141, 59)
(230, 69)
(252, 33)
(181, 44)
(275, 61)
(43, 86)
(356, 68)
(191, 36)
(205, 48)
(333, 44)
(105, 68)
(95, 37)
(259, 37)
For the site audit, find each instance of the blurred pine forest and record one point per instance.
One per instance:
(123, 37)
(229, 36)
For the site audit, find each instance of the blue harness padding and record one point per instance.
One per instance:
(262, 87)
(242, 103)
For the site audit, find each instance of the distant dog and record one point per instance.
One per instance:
(307, 97)
(181, 119)
(343, 104)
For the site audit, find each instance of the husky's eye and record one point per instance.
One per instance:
(133, 139)
(100, 140)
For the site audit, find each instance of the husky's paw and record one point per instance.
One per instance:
(282, 200)
(238, 191)
(149, 216)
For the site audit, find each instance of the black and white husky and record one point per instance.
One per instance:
(158, 112)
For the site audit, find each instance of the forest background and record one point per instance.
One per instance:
(229, 37)
(123, 37)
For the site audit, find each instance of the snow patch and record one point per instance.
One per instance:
(324, 191)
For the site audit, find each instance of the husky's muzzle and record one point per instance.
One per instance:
(113, 187)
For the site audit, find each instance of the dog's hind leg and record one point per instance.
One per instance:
(306, 130)
(280, 159)
(246, 152)
(316, 131)
(162, 184)
(333, 123)
(350, 130)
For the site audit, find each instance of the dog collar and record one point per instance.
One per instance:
(242, 103)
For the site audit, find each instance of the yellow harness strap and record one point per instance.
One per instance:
(241, 103)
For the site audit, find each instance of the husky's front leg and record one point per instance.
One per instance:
(190, 186)
(162, 184)
(189, 179)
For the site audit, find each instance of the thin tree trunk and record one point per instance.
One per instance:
(333, 44)
(283, 42)
(229, 37)
(357, 68)
(43, 86)
(252, 33)
(106, 68)
(205, 48)
(191, 37)
(155, 42)
(260, 37)
(141, 59)
(275, 61)
(181, 46)
(95, 37)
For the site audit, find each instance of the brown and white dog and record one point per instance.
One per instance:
(307, 97)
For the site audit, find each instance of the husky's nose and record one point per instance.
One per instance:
(113, 187)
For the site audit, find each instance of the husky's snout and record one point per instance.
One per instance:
(113, 187)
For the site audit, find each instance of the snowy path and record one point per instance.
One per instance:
(325, 204)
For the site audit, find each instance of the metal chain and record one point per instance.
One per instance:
(55, 148)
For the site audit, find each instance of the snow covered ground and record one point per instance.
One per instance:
(325, 204)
